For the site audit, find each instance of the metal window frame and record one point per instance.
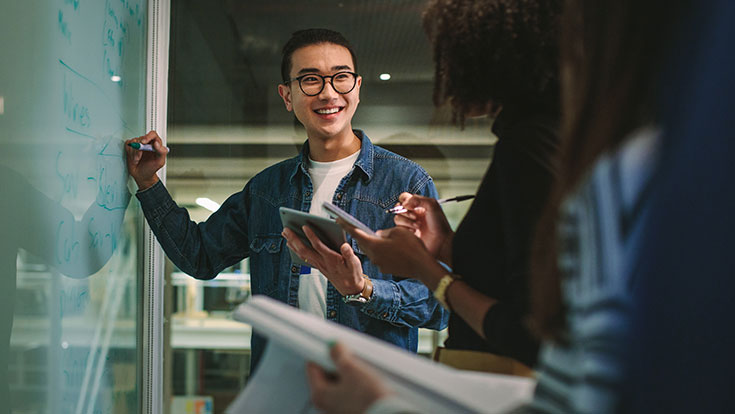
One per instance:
(151, 317)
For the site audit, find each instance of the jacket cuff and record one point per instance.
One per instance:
(384, 302)
(156, 202)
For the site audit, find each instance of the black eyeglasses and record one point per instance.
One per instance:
(312, 84)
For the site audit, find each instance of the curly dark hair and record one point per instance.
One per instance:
(494, 51)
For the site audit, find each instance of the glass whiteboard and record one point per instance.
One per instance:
(72, 87)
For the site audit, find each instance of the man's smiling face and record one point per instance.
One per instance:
(327, 114)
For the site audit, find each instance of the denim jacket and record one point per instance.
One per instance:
(248, 225)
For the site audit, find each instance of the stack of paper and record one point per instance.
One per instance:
(279, 384)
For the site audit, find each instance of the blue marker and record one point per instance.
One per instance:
(144, 147)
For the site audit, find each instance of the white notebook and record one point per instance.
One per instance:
(296, 337)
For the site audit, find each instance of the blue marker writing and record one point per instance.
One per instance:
(145, 147)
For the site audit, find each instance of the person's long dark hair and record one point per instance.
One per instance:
(611, 54)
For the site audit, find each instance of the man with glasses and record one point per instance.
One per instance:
(336, 164)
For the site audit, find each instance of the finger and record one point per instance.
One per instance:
(318, 382)
(345, 361)
(339, 353)
(417, 200)
(294, 243)
(304, 252)
(128, 149)
(350, 260)
(288, 234)
(159, 147)
(411, 227)
(387, 234)
(137, 155)
(347, 253)
(409, 213)
(395, 232)
(404, 197)
(150, 136)
(293, 240)
(316, 376)
(407, 219)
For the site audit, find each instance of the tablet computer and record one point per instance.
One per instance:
(328, 231)
(338, 212)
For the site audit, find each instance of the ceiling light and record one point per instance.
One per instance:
(2, 105)
(207, 203)
(115, 78)
(384, 76)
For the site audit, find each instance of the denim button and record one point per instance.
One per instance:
(332, 314)
(307, 194)
(339, 196)
(385, 315)
(294, 269)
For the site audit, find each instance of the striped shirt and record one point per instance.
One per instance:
(598, 232)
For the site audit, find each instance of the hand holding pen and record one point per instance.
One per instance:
(145, 155)
(400, 208)
(426, 218)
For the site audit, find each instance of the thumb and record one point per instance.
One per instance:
(404, 197)
(341, 356)
(316, 376)
(159, 147)
(347, 253)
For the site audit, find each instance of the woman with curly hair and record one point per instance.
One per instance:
(494, 58)
(497, 58)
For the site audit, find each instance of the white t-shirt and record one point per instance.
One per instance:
(325, 177)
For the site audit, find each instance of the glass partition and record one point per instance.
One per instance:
(72, 87)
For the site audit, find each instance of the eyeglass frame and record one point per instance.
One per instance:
(324, 82)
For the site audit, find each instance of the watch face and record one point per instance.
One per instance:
(355, 299)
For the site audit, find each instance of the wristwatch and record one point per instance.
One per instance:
(362, 297)
(440, 293)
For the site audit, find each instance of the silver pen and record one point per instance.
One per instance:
(399, 209)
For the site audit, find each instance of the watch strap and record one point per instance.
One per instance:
(364, 296)
(440, 293)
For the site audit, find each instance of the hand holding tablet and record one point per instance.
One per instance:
(328, 231)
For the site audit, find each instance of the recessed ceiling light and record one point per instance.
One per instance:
(207, 203)
(384, 76)
(115, 78)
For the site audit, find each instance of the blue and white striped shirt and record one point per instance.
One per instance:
(598, 233)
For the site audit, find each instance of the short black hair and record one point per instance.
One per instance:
(307, 37)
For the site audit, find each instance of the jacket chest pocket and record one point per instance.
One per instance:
(266, 262)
